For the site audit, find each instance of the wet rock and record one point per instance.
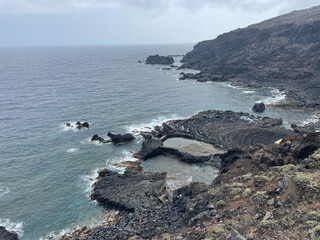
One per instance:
(121, 139)
(81, 125)
(150, 147)
(7, 235)
(100, 139)
(156, 59)
(259, 107)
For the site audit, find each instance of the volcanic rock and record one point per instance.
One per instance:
(7, 235)
(283, 52)
(259, 107)
(121, 139)
(156, 59)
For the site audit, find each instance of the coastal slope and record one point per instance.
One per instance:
(282, 52)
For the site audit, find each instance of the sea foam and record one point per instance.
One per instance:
(147, 127)
(3, 191)
(72, 150)
(12, 226)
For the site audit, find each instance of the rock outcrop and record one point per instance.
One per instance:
(121, 139)
(259, 107)
(225, 129)
(163, 60)
(7, 235)
(283, 52)
(81, 125)
(96, 137)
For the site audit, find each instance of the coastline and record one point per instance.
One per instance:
(132, 166)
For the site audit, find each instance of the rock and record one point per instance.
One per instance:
(259, 107)
(128, 191)
(156, 59)
(271, 201)
(150, 147)
(7, 235)
(81, 125)
(225, 129)
(234, 235)
(268, 216)
(100, 139)
(121, 139)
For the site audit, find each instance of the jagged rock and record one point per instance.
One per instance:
(156, 59)
(259, 107)
(121, 139)
(7, 235)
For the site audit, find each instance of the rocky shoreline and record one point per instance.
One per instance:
(247, 188)
(269, 176)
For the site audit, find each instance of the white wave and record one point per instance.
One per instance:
(88, 141)
(114, 164)
(89, 180)
(4, 191)
(147, 127)
(249, 92)
(247, 119)
(72, 150)
(97, 220)
(313, 119)
(12, 226)
(278, 96)
(72, 127)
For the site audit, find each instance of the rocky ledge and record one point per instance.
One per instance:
(163, 60)
(283, 52)
(225, 129)
(7, 235)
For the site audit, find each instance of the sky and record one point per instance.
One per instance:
(108, 22)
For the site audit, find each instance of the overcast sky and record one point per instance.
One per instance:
(102, 22)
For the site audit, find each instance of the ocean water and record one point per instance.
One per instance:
(46, 169)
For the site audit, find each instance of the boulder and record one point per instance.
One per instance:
(259, 107)
(156, 59)
(7, 235)
(121, 139)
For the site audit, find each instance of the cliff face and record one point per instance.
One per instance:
(278, 52)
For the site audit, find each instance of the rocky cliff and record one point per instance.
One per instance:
(282, 52)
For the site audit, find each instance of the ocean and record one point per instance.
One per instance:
(47, 169)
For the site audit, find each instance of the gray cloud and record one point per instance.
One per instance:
(67, 6)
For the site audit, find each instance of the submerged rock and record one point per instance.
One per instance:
(156, 59)
(259, 107)
(100, 139)
(7, 235)
(121, 139)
